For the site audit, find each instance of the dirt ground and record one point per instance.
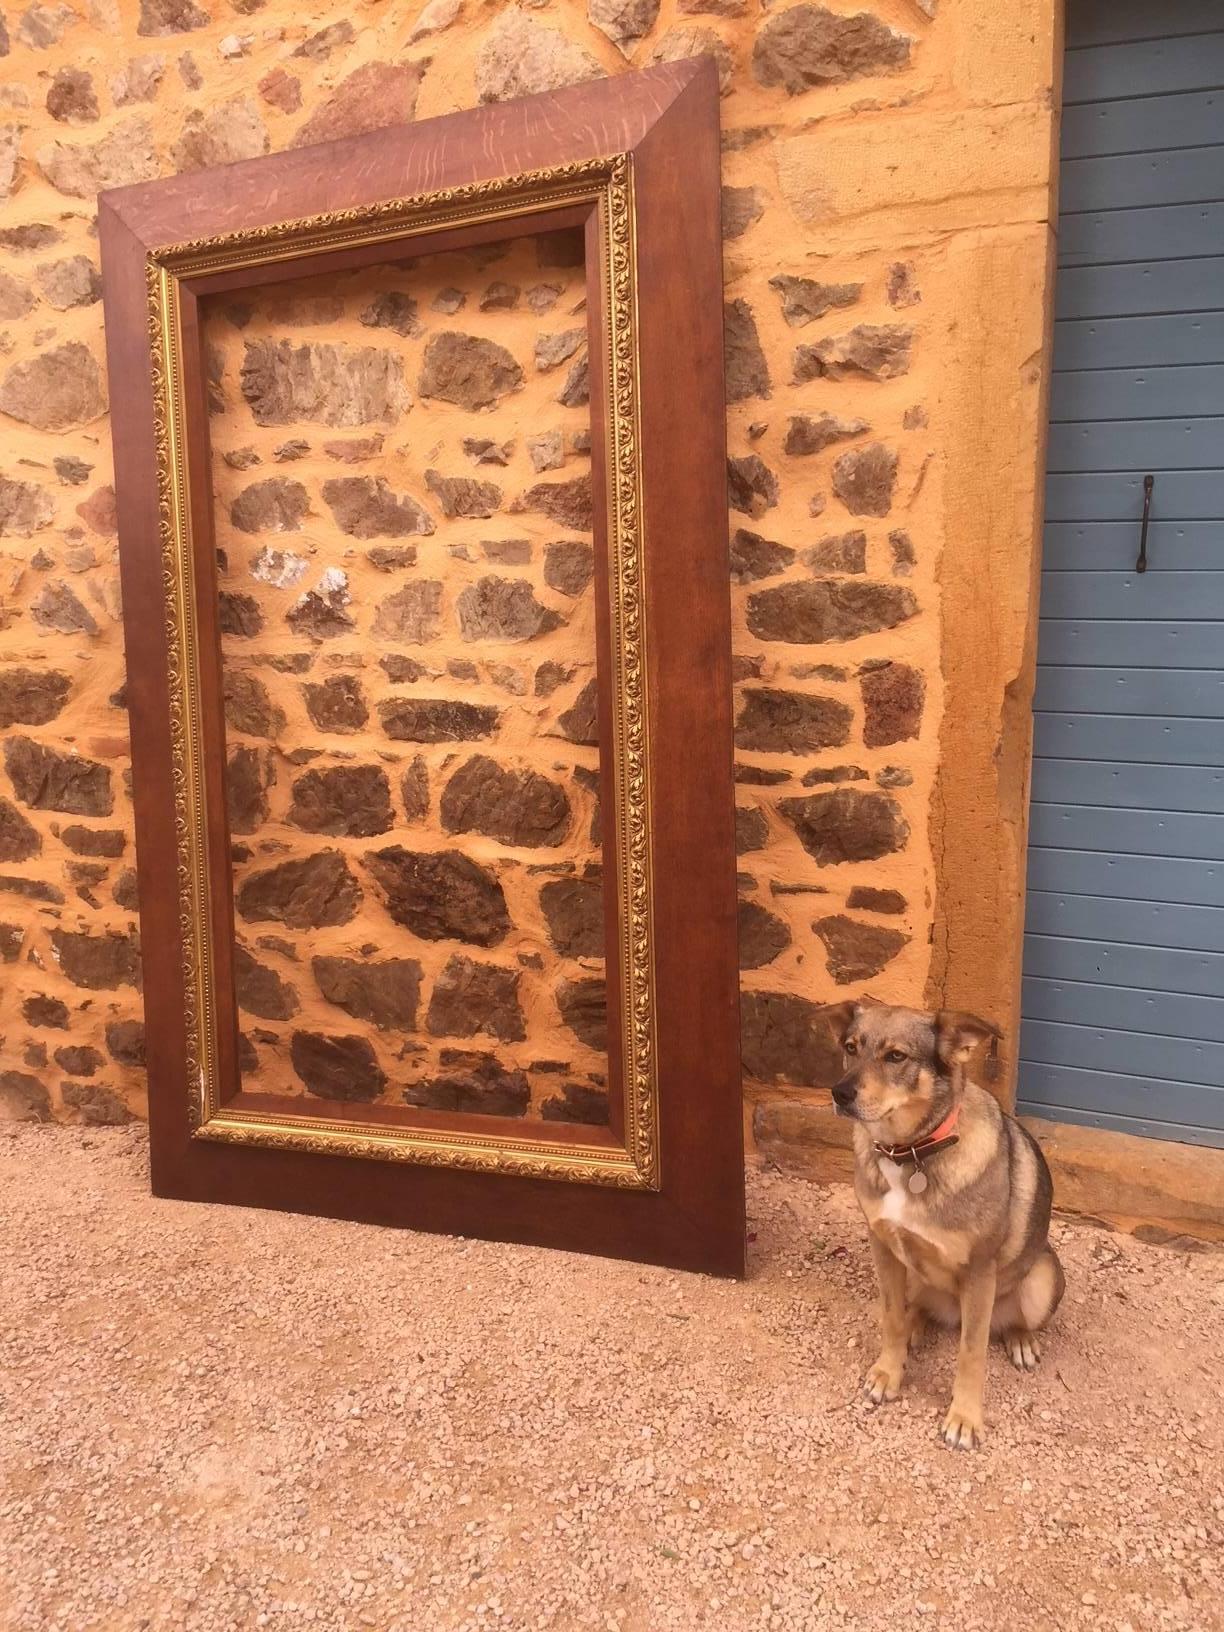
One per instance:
(216, 1419)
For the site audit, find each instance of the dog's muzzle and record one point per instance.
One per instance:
(845, 1093)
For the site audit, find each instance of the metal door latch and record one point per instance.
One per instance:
(1149, 482)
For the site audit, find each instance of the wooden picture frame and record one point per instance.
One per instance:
(634, 163)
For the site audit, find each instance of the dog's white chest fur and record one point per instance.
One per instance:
(898, 1206)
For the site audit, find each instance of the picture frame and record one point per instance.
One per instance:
(633, 163)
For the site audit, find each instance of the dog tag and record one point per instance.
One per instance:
(917, 1182)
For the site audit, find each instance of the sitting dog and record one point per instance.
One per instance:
(956, 1195)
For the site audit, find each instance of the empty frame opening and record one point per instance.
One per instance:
(411, 588)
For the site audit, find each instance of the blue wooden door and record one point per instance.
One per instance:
(1123, 997)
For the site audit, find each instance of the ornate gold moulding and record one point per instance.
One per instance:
(607, 186)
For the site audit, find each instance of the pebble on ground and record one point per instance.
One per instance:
(216, 1419)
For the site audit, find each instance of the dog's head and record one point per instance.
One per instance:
(900, 1061)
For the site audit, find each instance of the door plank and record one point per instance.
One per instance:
(1130, 832)
(1178, 546)
(1159, 968)
(1145, 645)
(1149, 923)
(1117, 1094)
(1166, 233)
(1157, 593)
(1134, 878)
(1129, 786)
(1127, 393)
(1174, 1060)
(1145, 68)
(1139, 342)
(1142, 444)
(1120, 20)
(1179, 175)
(1187, 693)
(1138, 124)
(1059, 735)
(1161, 1014)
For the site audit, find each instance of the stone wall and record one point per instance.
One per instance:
(886, 208)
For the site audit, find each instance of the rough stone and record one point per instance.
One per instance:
(32, 889)
(752, 488)
(337, 704)
(471, 1081)
(99, 962)
(30, 235)
(40, 1010)
(864, 479)
(275, 505)
(306, 893)
(94, 841)
(880, 351)
(568, 504)
(791, 722)
(11, 938)
(42, 26)
(904, 558)
(138, 81)
(320, 45)
(322, 612)
(281, 89)
(576, 392)
(442, 719)
(46, 779)
(238, 615)
(461, 496)
(809, 613)
(754, 557)
(807, 45)
(99, 512)
(392, 309)
(71, 98)
(386, 993)
(171, 17)
(785, 1039)
(751, 829)
(496, 608)
(569, 566)
(625, 22)
(23, 1098)
(16, 298)
(55, 390)
(260, 990)
(873, 900)
(679, 44)
(79, 1060)
(551, 350)
(124, 156)
(441, 895)
(433, 18)
(343, 1068)
(248, 776)
(31, 696)
(24, 508)
(19, 839)
(366, 507)
(370, 98)
(467, 370)
(223, 134)
(248, 707)
(414, 790)
(892, 704)
(500, 297)
(57, 607)
(98, 1106)
(841, 552)
(470, 997)
(583, 1006)
(846, 825)
(805, 435)
(573, 910)
(520, 57)
(413, 614)
(741, 207)
(763, 936)
(857, 951)
(518, 807)
(747, 371)
(580, 722)
(125, 1041)
(353, 801)
(577, 1102)
(902, 288)
(324, 383)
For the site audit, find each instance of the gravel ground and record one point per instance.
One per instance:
(213, 1418)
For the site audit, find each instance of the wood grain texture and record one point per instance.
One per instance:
(668, 118)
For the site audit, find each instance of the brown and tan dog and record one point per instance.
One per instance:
(956, 1195)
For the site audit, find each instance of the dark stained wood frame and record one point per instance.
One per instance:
(666, 121)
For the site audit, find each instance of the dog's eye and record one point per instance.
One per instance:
(894, 1056)
(850, 1046)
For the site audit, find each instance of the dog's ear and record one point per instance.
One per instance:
(957, 1034)
(839, 1017)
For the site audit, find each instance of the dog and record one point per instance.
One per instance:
(956, 1195)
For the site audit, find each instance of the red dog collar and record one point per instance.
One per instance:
(943, 1135)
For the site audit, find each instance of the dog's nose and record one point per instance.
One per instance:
(844, 1092)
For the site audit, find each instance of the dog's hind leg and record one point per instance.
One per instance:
(1027, 1308)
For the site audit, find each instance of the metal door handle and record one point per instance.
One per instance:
(1149, 482)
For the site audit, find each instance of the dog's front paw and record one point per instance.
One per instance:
(962, 1429)
(1023, 1349)
(883, 1382)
